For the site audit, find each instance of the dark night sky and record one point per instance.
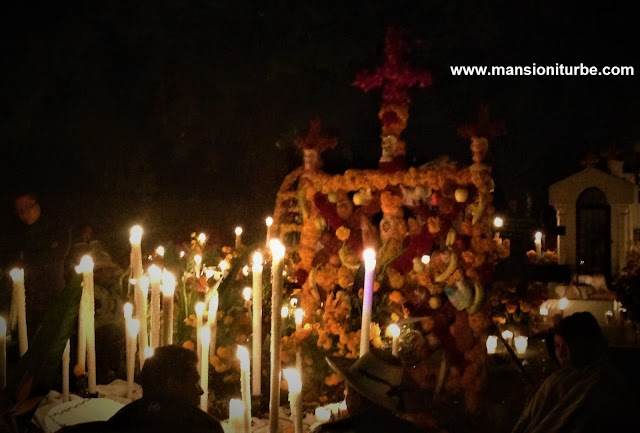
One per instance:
(188, 108)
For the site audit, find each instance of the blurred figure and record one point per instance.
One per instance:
(586, 394)
(170, 396)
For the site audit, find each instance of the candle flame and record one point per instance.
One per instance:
(181, 254)
(246, 293)
(284, 312)
(238, 231)
(243, 356)
(236, 408)
(17, 274)
(213, 306)
(86, 264)
(257, 262)
(369, 258)
(133, 326)
(136, 235)
(208, 273)
(3, 327)
(224, 265)
(322, 414)
(498, 222)
(294, 302)
(200, 308)
(538, 236)
(197, 258)
(144, 284)
(128, 310)
(521, 343)
(160, 251)
(492, 343)
(269, 221)
(292, 376)
(245, 271)
(277, 249)
(299, 314)
(544, 311)
(563, 303)
(155, 273)
(202, 238)
(205, 335)
(507, 334)
(148, 352)
(426, 259)
(393, 330)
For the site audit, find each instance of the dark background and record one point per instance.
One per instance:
(180, 115)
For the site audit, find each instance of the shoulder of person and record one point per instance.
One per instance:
(344, 425)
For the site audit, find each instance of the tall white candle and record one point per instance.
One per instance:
(394, 332)
(367, 300)
(20, 315)
(277, 254)
(269, 222)
(199, 320)
(3, 352)
(143, 290)
(133, 327)
(66, 355)
(245, 387)
(87, 304)
(238, 232)
(236, 415)
(292, 376)
(256, 374)
(299, 315)
(538, 243)
(155, 278)
(168, 291)
(140, 299)
(204, 335)
(212, 320)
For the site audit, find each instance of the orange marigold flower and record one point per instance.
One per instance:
(511, 308)
(343, 233)
(396, 297)
(188, 344)
(434, 224)
(223, 352)
(79, 370)
(361, 293)
(333, 379)
(376, 286)
(389, 203)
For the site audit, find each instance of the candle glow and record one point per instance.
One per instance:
(498, 222)
(544, 311)
(86, 264)
(507, 335)
(299, 315)
(563, 303)
(426, 259)
(277, 249)
(284, 312)
(17, 275)
(246, 293)
(238, 231)
(521, 344)
(128, 310)
(202, 238)
(492, 344)
(160, 251)
(136, 235)
(269, 221)
(155, 273)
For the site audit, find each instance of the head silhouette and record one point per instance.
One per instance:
(579, 341)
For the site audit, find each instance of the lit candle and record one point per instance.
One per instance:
(155, 278)
(609, 316)
(492, 344)
(212, 320)
(544, 311)
(497, 223)
(394, 331)
(292, 376)
(521, 344)
(140, 299)
(238, 232)
(284, 313)
(299, 315)
(245, 388)
(538, 242)
(507, 335)
(87, 304)
(3, 352)
(269, 222)
(277, 254)
(66, 355)
(322, 414)
(256, 268)
(168, 291)
(563, 303)
(133, 327)
(426, 259)
(369, 270)
(224, 267)
(160, 251)
(197, 260)
(19, 317)
(246, 295)
(202, 238)
(205, 336)
(199, 312)
(236, 415)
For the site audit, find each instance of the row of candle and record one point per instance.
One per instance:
(521, 342)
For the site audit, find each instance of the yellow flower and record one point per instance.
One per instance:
(343, 233)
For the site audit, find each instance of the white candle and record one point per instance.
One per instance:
(238, 232)
(538, 242)
(168, 291)
(236, 415)
(205, 336)
(143, 292)
(269, 222)
(133, 327)
(197, 260)
(277, 254)
(299, 315)
(492, 344)
(20, 314)
(155, 278)
(212, 320)
(3, 352)
(66, 355)
(140, 299)
(245, 387)
(256, 376)
(367, 301)
(507, 336)
(199, 312)
(87, 304)
(292, 376)
(521, 344)
(394, 331)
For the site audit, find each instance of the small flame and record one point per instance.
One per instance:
(86, 264)
(136, 235)
(393, 330)
(17, 274)
(128, 310)
(277, 249)
(292, 376)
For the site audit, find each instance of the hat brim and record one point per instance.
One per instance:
(365, 386)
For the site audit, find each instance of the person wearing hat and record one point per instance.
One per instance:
(374, 395)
